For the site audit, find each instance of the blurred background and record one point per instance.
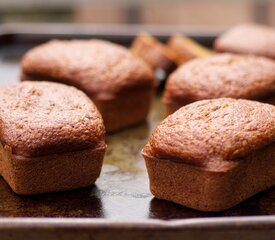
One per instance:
(26, 23)
(208, 13)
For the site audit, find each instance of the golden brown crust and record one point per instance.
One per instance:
(222, 75)
(196, 154)
(40, 118)
(51, 173)
(128, 109)
(125, 110)
(100, 68)
(206, 190)
(248, 39)
(104, 71)
(153, 52)
(185, 49)
(214, 133)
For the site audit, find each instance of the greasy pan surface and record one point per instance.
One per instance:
(122, 191)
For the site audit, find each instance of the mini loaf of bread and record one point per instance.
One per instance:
(154, 53)
(213, 154)
(185, 49)
(222, 75)
(248, 39)
(51, 138)
(120, 84)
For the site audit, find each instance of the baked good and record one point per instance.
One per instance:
(185, 49)
(248, 38)
(153, 52)
(212, 154)
(222, 75)
(51, 138)
(120, 84)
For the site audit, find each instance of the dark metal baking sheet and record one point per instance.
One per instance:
(120, 199)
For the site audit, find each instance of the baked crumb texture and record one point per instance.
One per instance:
(119, 83)
(51, 138)
(221, 75)
(213, 154)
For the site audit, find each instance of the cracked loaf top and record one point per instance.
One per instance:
(214, 133)
(222, 75)
(39, 118)
(99, 68)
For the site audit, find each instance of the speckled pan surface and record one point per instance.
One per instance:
(121, 198)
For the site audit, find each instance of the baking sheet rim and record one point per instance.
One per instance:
(256, 222)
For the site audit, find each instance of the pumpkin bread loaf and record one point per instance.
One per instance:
(51, 138)
(248, 38)
(222, 75)
(120, 84)
(213, 154)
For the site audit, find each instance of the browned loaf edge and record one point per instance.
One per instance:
(153, 52)
(120, 84)
(52, 138)
(185, 49)
(222, 75)
(248, 38)
(51, 173)
(196, 175)
(172, 106)
(125, 110)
